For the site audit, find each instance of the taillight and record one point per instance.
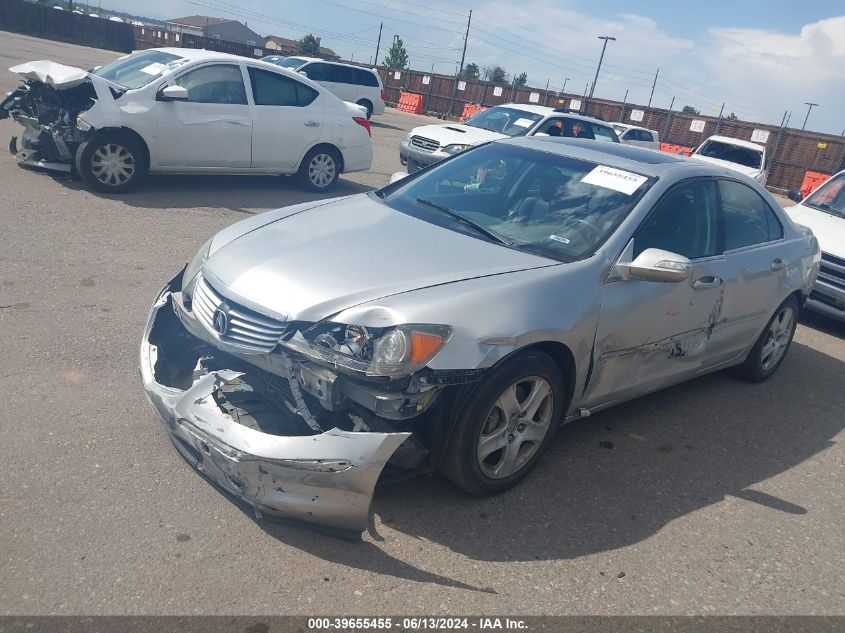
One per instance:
(362, 121)
(383, 95)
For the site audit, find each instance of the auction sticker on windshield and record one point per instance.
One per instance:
(153, 69)
(523, 122)
(616, 179)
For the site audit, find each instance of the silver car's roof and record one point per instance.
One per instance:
(632, 158)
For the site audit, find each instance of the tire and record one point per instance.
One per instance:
(319, 169)
(111, 162)
(368, 105)
(763, 361)
(490, 452)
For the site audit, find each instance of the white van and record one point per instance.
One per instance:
(351, 83)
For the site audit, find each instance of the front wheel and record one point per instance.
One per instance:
(770, 349)
(319, 169)
(506, 424)
(110, 162)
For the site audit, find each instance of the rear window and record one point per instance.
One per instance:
(138, 69)
(732, 153)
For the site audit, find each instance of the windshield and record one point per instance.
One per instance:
(830, 196)
(505, 121)
(284, 62)
(543, 203)
(137, 69)
(732, 153)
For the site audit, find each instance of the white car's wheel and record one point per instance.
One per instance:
(320, 169)
(110, 162)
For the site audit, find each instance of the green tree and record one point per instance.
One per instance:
(520, 80)
(397, 56)
(308, 45)
(688, 109)
(732, 117)
(496, 74)
(470, 71)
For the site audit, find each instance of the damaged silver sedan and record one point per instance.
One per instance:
(452, 320)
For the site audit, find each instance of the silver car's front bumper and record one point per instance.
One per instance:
(325, 478)
(416, 159)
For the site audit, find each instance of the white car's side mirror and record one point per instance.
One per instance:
(541, 134)
(303, 73)
(399, 175)
(173, 93)
(655, 264)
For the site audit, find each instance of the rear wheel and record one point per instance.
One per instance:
(111, 162)
(368, 105)
(319, 169)
(770, 349)
(506, 424)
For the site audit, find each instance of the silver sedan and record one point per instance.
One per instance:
(453, 319)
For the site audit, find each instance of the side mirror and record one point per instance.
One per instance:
(303, 73)
(541, 134)
(172, 93)
(399, 175)
(795, 194)
(655, 264)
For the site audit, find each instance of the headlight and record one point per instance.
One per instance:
(392, 352)
(82, 124)
(196, 263)
(456, 148)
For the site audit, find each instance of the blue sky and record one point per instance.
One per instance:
(760, 58)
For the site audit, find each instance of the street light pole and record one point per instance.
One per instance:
(811, 106)
(598, 68)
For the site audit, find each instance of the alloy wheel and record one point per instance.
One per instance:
(777, 338)
(515, 427)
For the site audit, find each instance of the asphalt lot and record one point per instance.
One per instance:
(714, 497)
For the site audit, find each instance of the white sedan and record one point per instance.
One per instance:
(175, 110)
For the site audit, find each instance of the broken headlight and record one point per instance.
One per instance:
(391, 352)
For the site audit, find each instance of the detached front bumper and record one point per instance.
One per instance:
(324, 478)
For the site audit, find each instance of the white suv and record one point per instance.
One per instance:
(357, 85)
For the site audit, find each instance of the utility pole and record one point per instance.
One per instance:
(463, 58)
(562, 90)
(811, 106)
(669, 118)
(719, 120)
(601, 58)
(788, 116)
(624, 103)
(652, 87)
(378, 44)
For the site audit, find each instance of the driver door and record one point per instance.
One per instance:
(653, 334)
(213, 128)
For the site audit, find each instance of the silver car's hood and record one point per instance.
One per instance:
(314, 263)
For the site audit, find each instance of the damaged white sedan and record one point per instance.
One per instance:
(181, 110)
(453, 319)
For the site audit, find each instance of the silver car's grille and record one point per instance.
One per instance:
(243, 327)
(425, 144)
(833, 270)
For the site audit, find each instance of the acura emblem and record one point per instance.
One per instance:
(220, 321)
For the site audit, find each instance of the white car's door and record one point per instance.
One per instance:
(213, 128)
(289, 118)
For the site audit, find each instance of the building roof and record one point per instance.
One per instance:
(198, 21)
(282, 41)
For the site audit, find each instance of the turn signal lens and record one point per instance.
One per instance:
(424, 346)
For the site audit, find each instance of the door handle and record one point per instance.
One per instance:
(312, 124)
(707, 282)
(236, 122)
(778, 264)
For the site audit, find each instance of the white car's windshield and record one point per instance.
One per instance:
(138, 69)
(830, 196)
(508, 121)
(732, 153)
(543, 203)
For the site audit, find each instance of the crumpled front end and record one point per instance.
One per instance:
(250, 431)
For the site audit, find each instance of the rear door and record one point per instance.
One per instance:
(289, 119)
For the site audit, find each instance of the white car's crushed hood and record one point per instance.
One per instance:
(53, 74)
(829, 229)
(457, 133)
(751, 172)
(313, 263)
